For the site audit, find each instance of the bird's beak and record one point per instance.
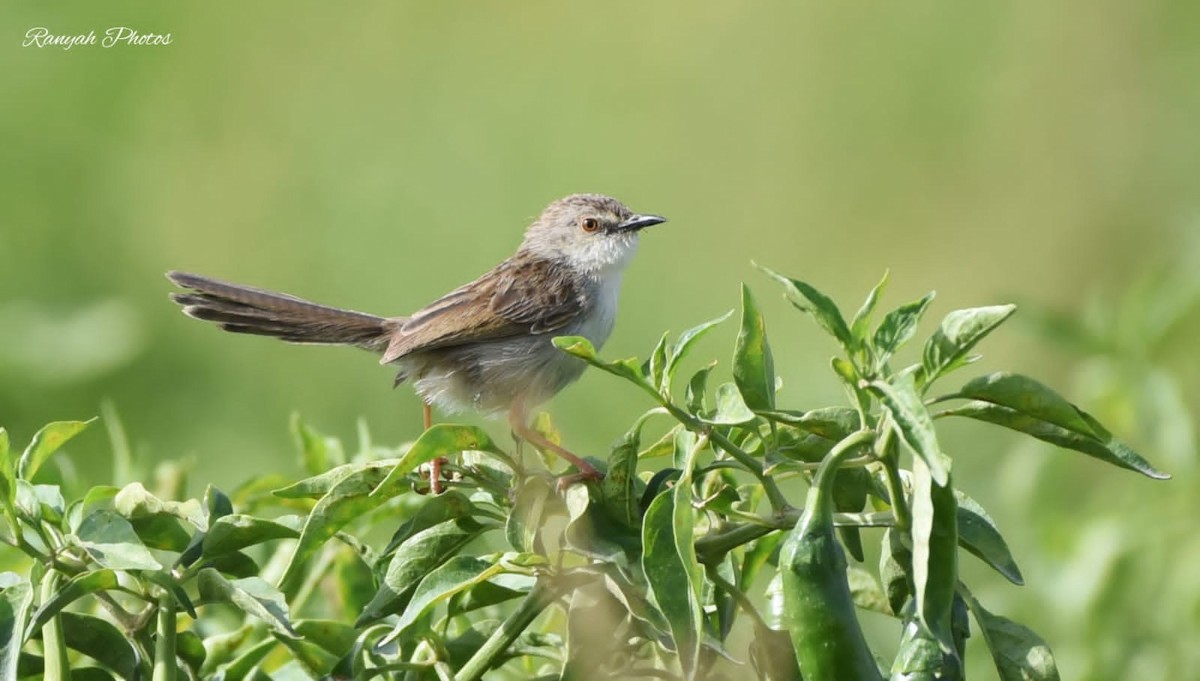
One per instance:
(638, 222)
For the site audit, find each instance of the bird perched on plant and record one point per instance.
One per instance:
(484, 346)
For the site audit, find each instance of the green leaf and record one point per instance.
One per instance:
(443, 439)
(455, 575)
(16, 597)
(628, 369)
(348, 499)
(1027, 396)
(111, 541)
(960, 331)
(317, 452)
(46, 442)
(77, 587)
(135, 502)
(753, 367)
(448, 505)
(417, 557)
(252, 595)
(190, 649)
(8, 480)
(534, 500)
(324, 644)
(935, 552)
(977, 533)
(319, 485)
(731, 409)
(913, 423)
(1019, 654)
(40, 502)
(102, 641)
(617, 487)
(862, 319)
(696, 389)
(1104, 447)
(686, 340)
(671, 567)
(895, 570)
(656, 366)
(865, 591)
(897, 328)
(235, 532)
(817, 304)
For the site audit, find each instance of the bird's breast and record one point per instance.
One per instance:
(596, 324)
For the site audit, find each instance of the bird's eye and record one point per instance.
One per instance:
(590, 224)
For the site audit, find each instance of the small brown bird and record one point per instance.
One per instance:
(484, 346)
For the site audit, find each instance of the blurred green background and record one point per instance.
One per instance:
(375, 156)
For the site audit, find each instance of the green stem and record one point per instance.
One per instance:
(778, 501)
(542, 595)
(713, 546)
(54, 645)
(890, 459)
(737, 595)
(164, 645)
(822, 485)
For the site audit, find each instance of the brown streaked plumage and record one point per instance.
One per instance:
(484, 346)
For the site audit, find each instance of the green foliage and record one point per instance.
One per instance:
(357, 572)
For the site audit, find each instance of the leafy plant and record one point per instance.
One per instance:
(645, 573)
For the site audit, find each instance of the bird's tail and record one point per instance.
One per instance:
(242, 309)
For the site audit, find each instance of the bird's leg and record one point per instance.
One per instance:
(516, 420)
(435, 466)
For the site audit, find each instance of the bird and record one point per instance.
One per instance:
(484, 347)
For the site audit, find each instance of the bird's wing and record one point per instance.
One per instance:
(518, 297)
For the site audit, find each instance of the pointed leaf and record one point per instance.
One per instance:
(935, 553)
(897, 328)
(16, 597)
(77, 587)
(865, 591)
(101, 640)
(628, 369)
(319, 485)
(730, 409)
(111, 541)
(442, 439)
(862, 318)
(687, 339)
(817, 304)
(1108, 449)
(753, 366)
(318, 453)
(414, 559)
(977, 533)
(960, 331)
(1027, 396)
(135, 502)
(455, 575)
(913, 424)
(671, 567)
(252, 595)
(348, 499)
(656, 366)
(46, 442)
(696, 389)
(235, 532)
(1019, 654)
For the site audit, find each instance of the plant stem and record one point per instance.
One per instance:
(542, 595)
(164, 646)
(778, 501)
(54, 646)
(738, 596)
(715, 545)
